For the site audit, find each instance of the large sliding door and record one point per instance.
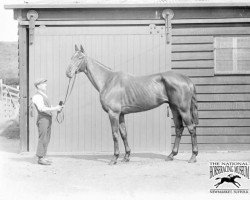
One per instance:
(86, 127)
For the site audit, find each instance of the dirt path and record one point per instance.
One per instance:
(147, 176)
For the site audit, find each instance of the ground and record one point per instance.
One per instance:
(147, 176)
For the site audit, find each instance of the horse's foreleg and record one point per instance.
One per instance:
(178, 131)
(123, 133)
(114, 120)
(235, 185)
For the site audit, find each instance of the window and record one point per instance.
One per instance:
(232, 55)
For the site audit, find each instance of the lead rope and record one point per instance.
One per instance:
(60, 114)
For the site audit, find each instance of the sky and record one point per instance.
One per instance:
(9, 30)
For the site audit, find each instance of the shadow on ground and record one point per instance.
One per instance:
(103, 158)
(107, 157)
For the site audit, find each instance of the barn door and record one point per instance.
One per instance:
(137, 50)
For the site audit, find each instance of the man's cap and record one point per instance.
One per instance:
(40, 81)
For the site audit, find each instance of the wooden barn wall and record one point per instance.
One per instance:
(224, 101)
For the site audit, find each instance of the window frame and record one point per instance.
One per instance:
(234, 57)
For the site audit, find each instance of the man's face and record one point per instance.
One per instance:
(42, 86)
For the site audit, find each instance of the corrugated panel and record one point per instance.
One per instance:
(223, 131)
(223, 97)
(236, 114)
(216, 147)
(192, 47)
(192, 40)
(224, 122)
(193, 64)
(224, 106)
(86, 127)
(196, 72)
(204, 139)
(220, 30)
(223, 89)
(222, 80)
(192, 56)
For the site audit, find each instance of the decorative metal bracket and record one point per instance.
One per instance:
(155, 30)
(32, 16)
(168, 14)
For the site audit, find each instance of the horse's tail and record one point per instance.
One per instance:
(194, 106)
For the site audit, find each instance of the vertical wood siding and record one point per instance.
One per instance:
(223, 100)
(86, 127)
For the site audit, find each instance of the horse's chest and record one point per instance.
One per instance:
(111, 99)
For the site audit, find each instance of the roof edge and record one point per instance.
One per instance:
(152, 5)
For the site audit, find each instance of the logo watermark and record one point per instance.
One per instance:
(229, 177)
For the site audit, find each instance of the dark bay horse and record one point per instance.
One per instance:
(121, 94)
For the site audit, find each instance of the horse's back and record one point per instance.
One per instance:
(138, 93)
(174, 76)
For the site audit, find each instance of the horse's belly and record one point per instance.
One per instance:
(134, 109)
(141, 105)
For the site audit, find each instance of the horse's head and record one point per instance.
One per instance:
(237, 176)
(233, 176)
(78, 62)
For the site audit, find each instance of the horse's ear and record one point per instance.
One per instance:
(76, 48)
(82, 50)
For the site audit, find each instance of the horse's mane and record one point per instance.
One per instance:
(102, 64)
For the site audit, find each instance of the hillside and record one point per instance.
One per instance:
(9, 62)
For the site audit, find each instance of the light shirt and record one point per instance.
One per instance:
(37, 99)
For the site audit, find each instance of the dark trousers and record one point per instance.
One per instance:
(44, 131)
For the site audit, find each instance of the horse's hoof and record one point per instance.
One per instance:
(112, 162)
(125, 159)
(169, 158)
(192, 160)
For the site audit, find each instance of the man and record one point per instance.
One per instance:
(44, 119)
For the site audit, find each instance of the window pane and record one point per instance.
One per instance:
(243, 66)
(224, 66)
(243, 42)
(232, 55)
(225, 42)
(243, 54)
(224, 54)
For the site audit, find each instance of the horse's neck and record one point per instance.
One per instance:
(97, 74)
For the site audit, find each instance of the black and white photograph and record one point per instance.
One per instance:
(124, 99)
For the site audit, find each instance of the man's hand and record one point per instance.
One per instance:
(58, 108)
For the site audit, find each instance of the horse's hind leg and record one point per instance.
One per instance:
(217, 185)
(187, 118)
(178, 131)
(123, 133)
